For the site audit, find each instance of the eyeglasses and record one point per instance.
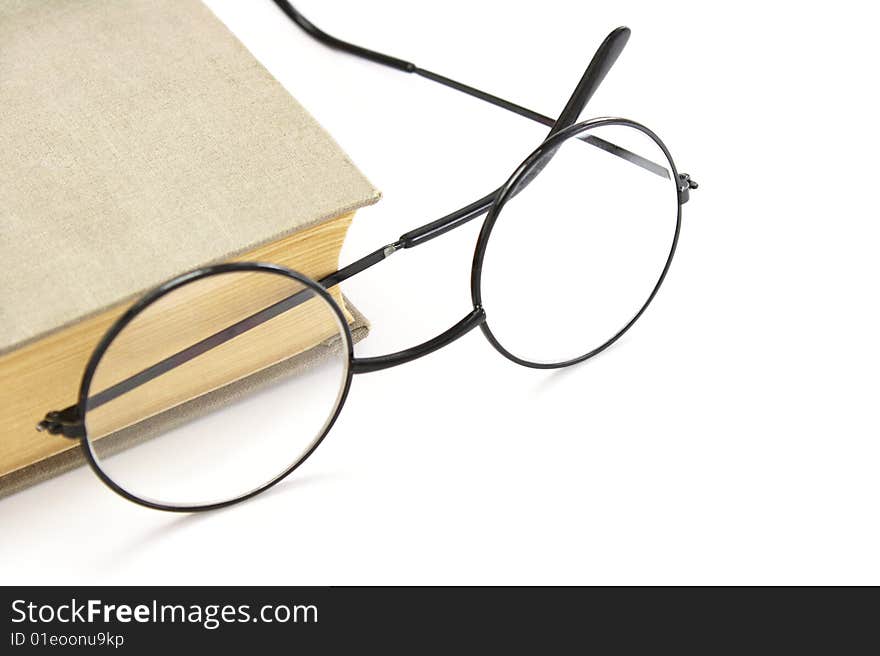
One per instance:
(572, 250)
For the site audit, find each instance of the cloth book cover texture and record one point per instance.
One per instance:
(140, 139)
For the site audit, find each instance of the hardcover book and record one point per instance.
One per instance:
(139, 140)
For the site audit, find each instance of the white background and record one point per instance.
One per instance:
(731, 437)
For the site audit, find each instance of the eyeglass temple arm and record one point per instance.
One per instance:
(70, 424)
(602, 62)
(338, 44)
(598, 68)
(605, 57)
(609, 51)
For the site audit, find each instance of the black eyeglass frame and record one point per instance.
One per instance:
(70, 422)
(84, 399)
(520, 179)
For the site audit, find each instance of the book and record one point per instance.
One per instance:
(139, 140)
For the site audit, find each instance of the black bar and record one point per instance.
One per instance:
(452, 620)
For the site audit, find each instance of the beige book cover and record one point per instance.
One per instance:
(140, 139)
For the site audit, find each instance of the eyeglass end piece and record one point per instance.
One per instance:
(62, 422)
(685, 185)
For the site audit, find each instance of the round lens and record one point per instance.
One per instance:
(218, 387)
(580, 245)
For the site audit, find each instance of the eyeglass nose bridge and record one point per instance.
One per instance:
(475, 318)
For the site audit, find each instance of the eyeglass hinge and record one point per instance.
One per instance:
(65, 422)
(685, 184)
